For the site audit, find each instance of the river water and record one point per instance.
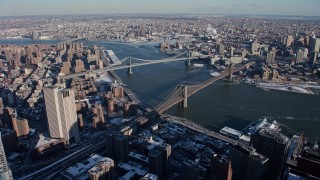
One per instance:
(219, 105)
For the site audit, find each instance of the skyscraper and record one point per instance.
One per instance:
(271, 143)
(315, 57)
(20, 126)
(299, 56)
(289, 41)
(246, 163)
(271, 57)
(158, 160)
(117, 146)
(231, 51)
(1, 106)
(61, 114)
(255, 46)
(5, 172)
(221, 49)
(1, 111)
(315, 44)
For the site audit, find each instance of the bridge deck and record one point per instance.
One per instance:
(176, 96)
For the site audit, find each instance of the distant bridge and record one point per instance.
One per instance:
(74, 39)
(130, 64)
(181, 93)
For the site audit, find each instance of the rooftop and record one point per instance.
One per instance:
(4, 132)
(251, 152)
(44, 140)
(254, 127)
(311, 152)
(275, 135)
(232, 132)
(132, 170)
(100, 166)
(149, 176)
(79, 170)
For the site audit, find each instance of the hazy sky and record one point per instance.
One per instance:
(53, 7)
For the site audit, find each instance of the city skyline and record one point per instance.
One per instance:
(159, 96)
(75, 7)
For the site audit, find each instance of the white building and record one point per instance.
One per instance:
(61, 114)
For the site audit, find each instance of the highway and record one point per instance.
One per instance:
(72, 40)
(57, 163)
(67, 161)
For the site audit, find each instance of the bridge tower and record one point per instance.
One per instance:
(184, 103)
(231, 72)
(185, 96)
(129, 71)
(188, 61)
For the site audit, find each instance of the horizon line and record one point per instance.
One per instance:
(163, 14)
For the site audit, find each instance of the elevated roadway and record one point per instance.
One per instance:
(182, 92)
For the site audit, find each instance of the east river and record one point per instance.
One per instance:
(219, 105)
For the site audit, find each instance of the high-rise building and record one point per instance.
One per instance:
(9, 140)
(5, 172)
(221, 49)
(315, 44)
(158, 160)
(61, 114)
(1, 112)
(103, 170)
(1, 106)
(35, 35)
(299, 56)
(20, 126)
(255, 46)
(246, 163)
(8, 113)
(271, 57)
(270, 142)
(117, 147)
(231, 51)
(192, 171)
(80, 121)
(305, 52)
(98, 118)
(289, 40)
(315, 57)
(79, 66)
(308, 162)
(118, 92)
(65, 69)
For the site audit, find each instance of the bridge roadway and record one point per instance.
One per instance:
(72, 40)
(198, 128)
(178, 94)
(147, 62)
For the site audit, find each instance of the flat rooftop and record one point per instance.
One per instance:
(100, 167)
(80, 170)
(149, 176)
(251, 152)
(275, 135)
